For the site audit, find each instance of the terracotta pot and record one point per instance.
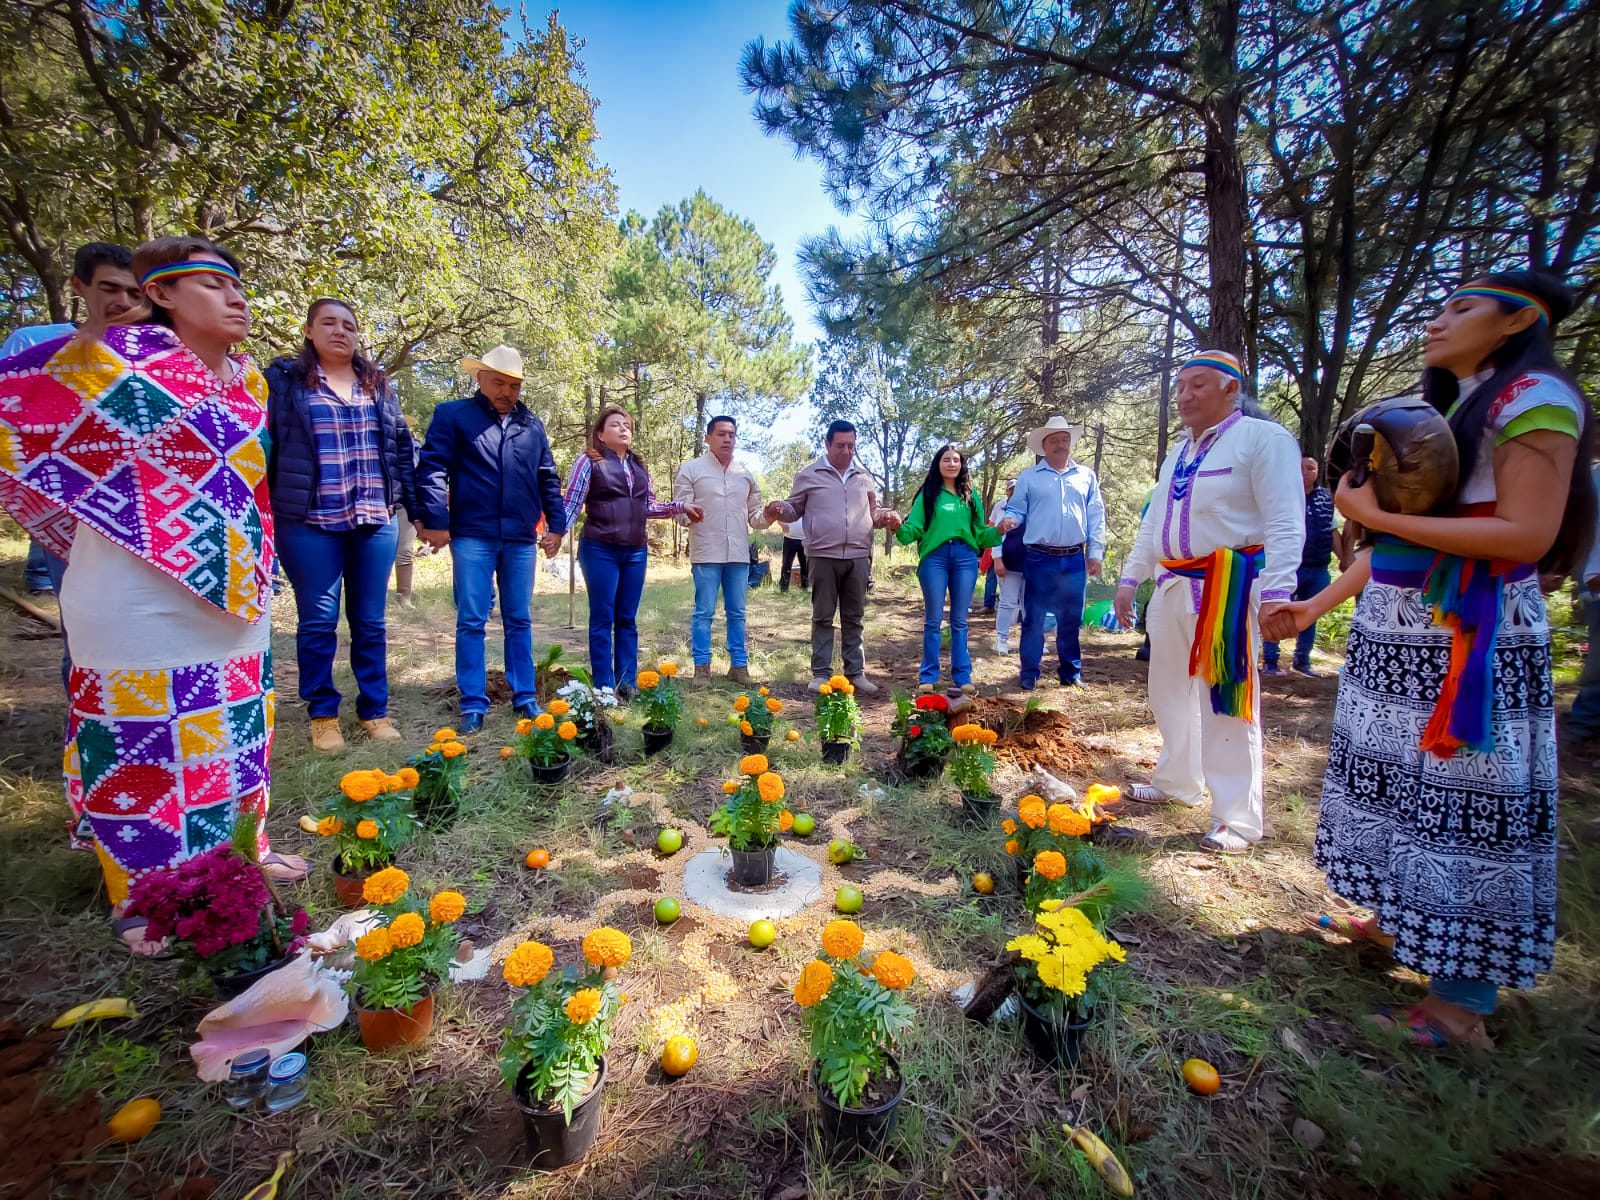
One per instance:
(384, 1028)
(552, 1141)
(347, 887)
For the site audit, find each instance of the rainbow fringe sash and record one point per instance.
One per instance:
(1221, 653)
(1467, 596)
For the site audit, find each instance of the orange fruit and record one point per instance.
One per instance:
(1201, 1077)
(134, 1119)
(538, 859)
(702, 722)
(678, 1055)
(506, 752)
(983, 883)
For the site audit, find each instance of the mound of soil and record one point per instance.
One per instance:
(1037, 737)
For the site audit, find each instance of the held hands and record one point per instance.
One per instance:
(1123, 607)
(550, 543)
(778, 510)
(694, 512)
(1277, 621)
(1094, 568)
(888, 519)
(437, 538)
(1007, 524)
(1303, 615)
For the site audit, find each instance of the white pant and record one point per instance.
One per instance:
(1008, 610)
(1201, 750)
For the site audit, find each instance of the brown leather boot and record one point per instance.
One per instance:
(381, 729)
(741, 676)
(402, 586)
(325, 735)
(702, 674)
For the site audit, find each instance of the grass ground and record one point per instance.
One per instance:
(1219, 967)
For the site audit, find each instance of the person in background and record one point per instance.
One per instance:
(484, 479)
(1313, 575)
(1059, 502)
(794, 552)
(405, 548)
(1583, 722)
(611, 484)
(728, 499)
(839, 504)
(946, 523)
(1008, 559)
(339, 466)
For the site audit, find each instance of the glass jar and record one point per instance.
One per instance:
(288, 1082)
(247, 1078)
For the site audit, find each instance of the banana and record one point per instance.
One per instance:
(269, 1189)
(94, 1010)
(1101, 1159)
(308, 823)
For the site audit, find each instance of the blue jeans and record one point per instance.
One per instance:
(991, 589)
(734, 580)
(322, 564)
(1308, 581)
(614, 579)
(475, 566)
(1584, 721)
(1054, 583)
(36, 574)
(950, 569)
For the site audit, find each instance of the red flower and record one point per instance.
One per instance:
(933, 703)
(916, 731)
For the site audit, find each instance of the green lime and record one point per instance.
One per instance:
(763, 934)
(848, 899)
(669, 841)
(804, 823)
(667, 910)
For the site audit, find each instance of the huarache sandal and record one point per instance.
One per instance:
(1351, 928)
(1420, 1028)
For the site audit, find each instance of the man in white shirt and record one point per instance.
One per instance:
(729, 499)
(1228, 505)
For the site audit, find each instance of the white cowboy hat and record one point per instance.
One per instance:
(1056, 424)
(503, 360)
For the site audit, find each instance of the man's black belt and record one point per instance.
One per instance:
(1059, 551)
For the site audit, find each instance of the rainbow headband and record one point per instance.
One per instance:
(1510, 295)
(178, 269)
(1217, 360)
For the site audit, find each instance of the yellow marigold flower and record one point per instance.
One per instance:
(329, 826)
(964, 734)
(839, 683)
(584, 1006)
(730, 786)
(544, 721)
(667, 668)
(815, 982)
(765, 691)
(359, 786)
(525, 725)
(774, 705)
(1008, 826)
(385, 886)
(366, 829)
(374, 945)
(1067, 821)
(408, 777)
(528, 964)
(1012, 847)
(566, 731)
(990, 737)
(607, 947)
(842, 939)
(825, 690)
(746, 728)
(1050, 864)
(753, 764)
(446, 907)
(740, 703)
(445, 735)
(407, 929)
(770, 786)
(893, 970)
(435, 747)
(453, 749)
(849, 689)
(1032, 811)
(786, 820)
(645, 680)
(558, 708)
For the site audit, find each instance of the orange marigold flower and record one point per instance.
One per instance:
(645, 680)
(528, 964)
(746, 728)
(374, 945)
(825, 690)
(770, 786)
(839, 683)
(1012, 847)
(753, 764)
(893, 970)
(367, 829)
(816, 981)
(329, 826)
(584, 1006)
(667, 668)
(842, 939)
(407, 929)
(566, 731)
(445, 735)
(607, 947)
(765, 691)
(741, 703)
(544, 721)
(1050, 864)
(558, 708)
(990, 737)
(774, 705)
(359, 786)
(446, 907)
(730, 786)
(1032, 811)
(435, 747)
(391, 783)
(385, 886)
(786, 820)
(1067, 821)
(409, 777)
(453, 749)
(1008, 826)
(525, 725)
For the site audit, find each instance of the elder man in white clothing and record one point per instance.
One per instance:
(1233, 483)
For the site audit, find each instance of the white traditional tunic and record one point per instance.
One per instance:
(1238, 484)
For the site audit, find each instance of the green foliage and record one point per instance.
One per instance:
(560, 1054)
(758, 711)
(748, 819)
(853, 1029)
(971, 766)
(116, 1067)
(931, 741)
(388, 818)
(547, 738)
(837, 713)
(660, 698)
(404, 974)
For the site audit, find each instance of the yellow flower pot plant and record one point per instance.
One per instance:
(369, 821)
(1059, 977)
(753, 713)
(854, 1007)
(751, 819)
(970, 767)
(403, 961)
(547, 740)
(442, 778)
(554, 1054)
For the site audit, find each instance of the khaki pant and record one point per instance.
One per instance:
(838, 584)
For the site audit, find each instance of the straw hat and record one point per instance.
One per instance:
(1056, 424)
(503, 360)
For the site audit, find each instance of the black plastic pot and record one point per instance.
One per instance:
(1054, 1045)
(979, 810)
(551, 774)
(656, 740)
(754, 743)
(752, 868)
(922, 768)
(835, 752)
(229, 986)
(848, 1132)
(552, 1142)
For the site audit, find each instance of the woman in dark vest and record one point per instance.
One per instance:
(340, 464)
(612, 485)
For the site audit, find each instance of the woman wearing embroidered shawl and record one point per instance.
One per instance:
(139, 458)
(1439, 804)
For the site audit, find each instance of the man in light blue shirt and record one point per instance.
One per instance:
(1058, 504)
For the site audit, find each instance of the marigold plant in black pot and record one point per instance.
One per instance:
(547, 740)
(970, 768)
(1058, 979)
(658, 695)
(553, 1057)
(854, 1011)
(838, 718)
(754, 713)
(751, 819)
(441, 779)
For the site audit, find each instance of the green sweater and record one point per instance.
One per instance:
(952, 520)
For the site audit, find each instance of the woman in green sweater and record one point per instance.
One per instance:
(946, 522)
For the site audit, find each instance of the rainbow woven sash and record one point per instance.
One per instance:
(1221, 653)
(1467, 596)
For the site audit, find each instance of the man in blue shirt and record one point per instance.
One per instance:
(1313, 575)
(1058, 504)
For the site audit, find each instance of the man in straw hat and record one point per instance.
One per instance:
(1222, 538)
(1057, 503)
(485, 477)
